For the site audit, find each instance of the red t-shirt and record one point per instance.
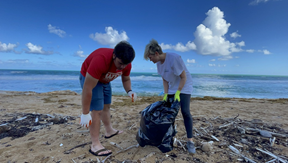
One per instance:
(100, 65)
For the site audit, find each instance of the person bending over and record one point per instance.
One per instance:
(101, 67)
(177, 82)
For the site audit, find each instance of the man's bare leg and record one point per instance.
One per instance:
(95, 132)
(107, 121)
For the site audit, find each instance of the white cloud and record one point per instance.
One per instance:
(237, 57)
(255, 2)
(166, 46)
(221, 65)
(18, 61)
(242, 43)
(111, 37)
(80, 53)
(266, 52)
(250, 51)
(212, 60)
(7, 47)
(191, 61)
(209, 36)
(235, 35)
(179, 46)
(225, 58)
(34, 49)
(59, 32)
(215, 65)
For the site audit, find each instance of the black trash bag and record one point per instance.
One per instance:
(157, 125)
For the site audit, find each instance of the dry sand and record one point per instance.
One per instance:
(50, 143)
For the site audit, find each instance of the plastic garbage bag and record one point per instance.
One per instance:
(157, 125)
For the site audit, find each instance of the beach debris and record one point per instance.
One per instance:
(132, 126)
(147, 156)
(115, 144)
(207, 146)
(77, 146)
(78, 158)
(103, 161)
(272, 141)
(214, 138)
(265, 134)
(272, 155)
(237, 152)
(123, 150)
(11, 126)
(20, 119)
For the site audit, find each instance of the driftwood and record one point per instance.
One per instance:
(77, 146)
(144, 158)
(239, 154)
(106, 158)
(272, 133)
(123, 150)
(272, 155)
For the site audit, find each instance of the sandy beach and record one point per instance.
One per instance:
(67, 141)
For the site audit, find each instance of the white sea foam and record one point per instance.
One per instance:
(18, 72)
(143, 78)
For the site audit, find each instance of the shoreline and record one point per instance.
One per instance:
(69, 92)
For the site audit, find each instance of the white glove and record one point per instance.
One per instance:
(133, 95)
(85, 120)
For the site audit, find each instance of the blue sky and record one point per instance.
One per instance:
(212, 36)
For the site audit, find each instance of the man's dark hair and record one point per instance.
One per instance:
(124, 51)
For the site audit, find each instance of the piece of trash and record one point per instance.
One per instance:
(266, 134)
(20, 119)
(61, 145)
(36, 120)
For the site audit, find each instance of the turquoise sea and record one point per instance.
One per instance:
(147, 84)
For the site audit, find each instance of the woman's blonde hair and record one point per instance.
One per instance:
(151, 48)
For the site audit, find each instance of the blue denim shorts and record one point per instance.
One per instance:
(101, 94)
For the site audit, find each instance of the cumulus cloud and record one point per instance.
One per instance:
(266, 52)
(255, 2)
(250, 51)
(7, 47)
(17, 61)
(57, 31)
(210, 37)
(235, 35)
(191, 61)
(34, 49)
(212, 60)
(111, 37)
(80, 53)
(225, 58)
(179, 46)
(215, 65)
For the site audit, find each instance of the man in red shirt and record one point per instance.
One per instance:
(99, 68)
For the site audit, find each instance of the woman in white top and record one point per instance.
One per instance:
(177, 82)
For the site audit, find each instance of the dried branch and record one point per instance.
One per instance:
(239, 154)
(149, 155)
(106, 158)
(272, 155)
(77, 146)
(115, 144)
(137, 145)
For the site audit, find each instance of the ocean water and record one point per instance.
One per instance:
(147, 84)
